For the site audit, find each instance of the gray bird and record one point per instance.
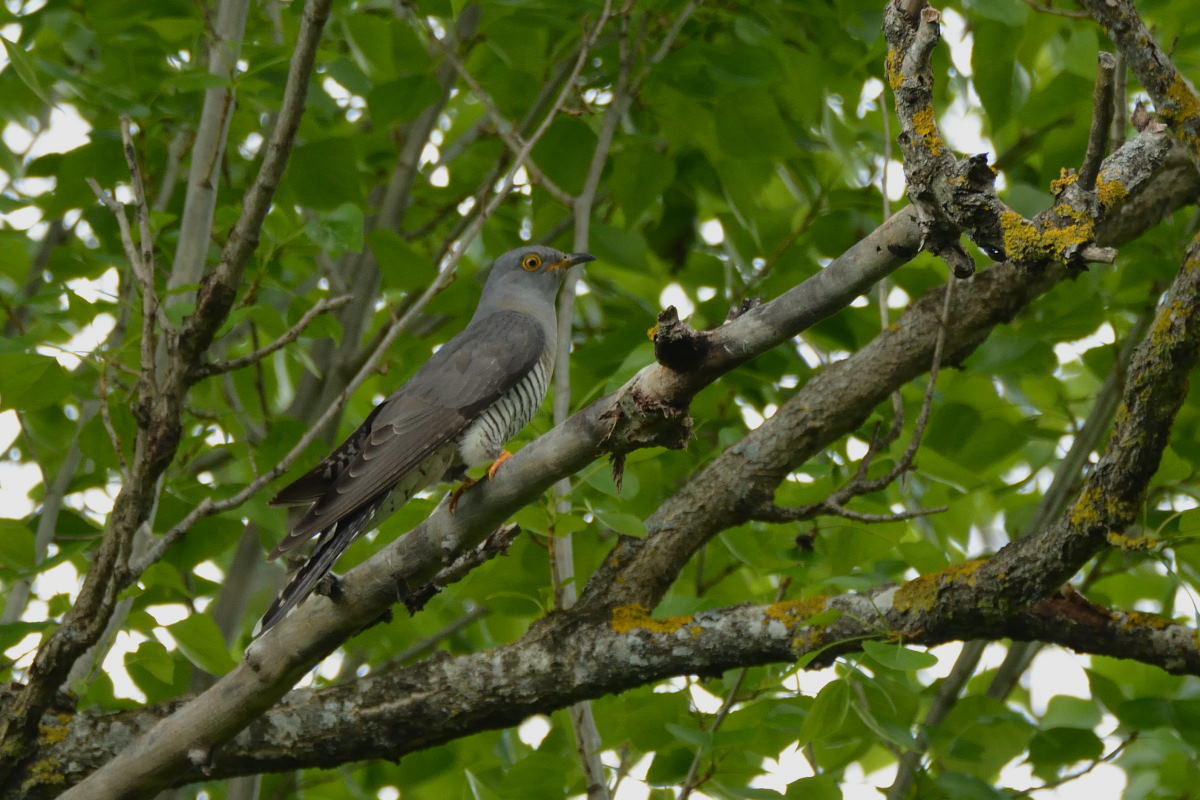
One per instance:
(458, 410)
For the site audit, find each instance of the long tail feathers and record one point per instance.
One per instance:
(329, 548)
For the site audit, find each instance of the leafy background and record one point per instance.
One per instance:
(753, 153)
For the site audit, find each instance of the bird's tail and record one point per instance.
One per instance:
(329, 548)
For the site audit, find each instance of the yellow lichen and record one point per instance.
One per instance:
(1182, 104)
(807, 640)
(1142, 619)
(925, 127)
(1065, 178)
(1164, 331)
(1181, 110)
(636, 616)
(1094, 508)
(1023, 241)
(791, 612)
(892, 67)
(53, 734)
(652, 331)
(1131, 543)
(1109, 191)
(921, 594)
(44, 772)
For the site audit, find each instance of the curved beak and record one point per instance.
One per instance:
(573, 259)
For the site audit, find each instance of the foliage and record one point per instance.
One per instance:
(751, 154)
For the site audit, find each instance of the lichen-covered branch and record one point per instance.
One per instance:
(572, 658)
(1175, 99)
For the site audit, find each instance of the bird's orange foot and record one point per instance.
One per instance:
(467, 483)
(495, 467)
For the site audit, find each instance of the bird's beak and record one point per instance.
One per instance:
(572, 260)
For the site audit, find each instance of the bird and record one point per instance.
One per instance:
(457, 411)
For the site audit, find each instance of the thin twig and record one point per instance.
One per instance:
(148, 368)
(1120, 81)
(1102, 114)
(943, 701)
(427, 645)
(504, 128)
(690, 782)
(1053, 503)
(860, 484)
(562, 562)
(292, 334)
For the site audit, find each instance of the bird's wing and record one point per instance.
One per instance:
(312, 485)
(460, 381)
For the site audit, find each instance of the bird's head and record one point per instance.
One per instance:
(534, 267)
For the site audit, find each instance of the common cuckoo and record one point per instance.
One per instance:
(457, 411)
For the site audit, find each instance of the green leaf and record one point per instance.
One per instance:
(1071, 712)
(338, 231)
(17, 545)
(749, 126)
(640, 174)
(670, 766)
(152, 659)
(818, 787)
(692, 736)
(29, 381)
(827, 713)
(25, 69)
(324, 173)
(897, 656)
(1060, 747)
(621, 522)
(200, 640)
(1144, 713)
(403, 99)
(400, 265)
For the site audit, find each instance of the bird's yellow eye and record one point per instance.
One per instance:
(531, 262)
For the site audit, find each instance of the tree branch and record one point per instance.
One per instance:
(290, 335)
(1175, 99)
(381, 716)
(504, 129)
(706, 505)
(208, 148)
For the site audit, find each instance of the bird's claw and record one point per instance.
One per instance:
(467, 483)
(495, 467)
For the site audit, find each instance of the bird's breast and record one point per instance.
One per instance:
(484, 438)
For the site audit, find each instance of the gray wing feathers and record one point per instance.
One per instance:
(466, 376)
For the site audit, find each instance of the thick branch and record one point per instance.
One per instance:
(831, 404)
(842, 396)
(389, 714)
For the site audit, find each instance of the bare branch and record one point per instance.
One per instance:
(1102, 113)
(208, 148)
(1175, 99)
(145, 282)
(505, 129)
(860, 484)
(290, 335)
